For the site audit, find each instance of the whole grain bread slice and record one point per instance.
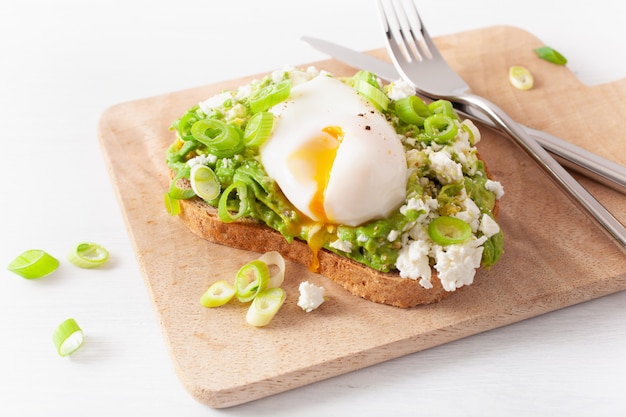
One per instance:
(360, 280)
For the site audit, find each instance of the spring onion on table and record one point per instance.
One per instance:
(251, 279)
(88, 255)
(550, 55)
(34, 263)
(218, 294)
(254, 283)
(265, 306)
(521, 78)
(67, 337)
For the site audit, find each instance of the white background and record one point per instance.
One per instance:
(62, 63)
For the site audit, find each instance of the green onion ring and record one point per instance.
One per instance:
(412, 110)
(440, 128)
(222, 206)
(276, 259)
(34, 263)
(220, 138)
(204, 182)
(265, 306)
(218, 294)
(177, 193)
(258, 129)
(88, 255)
(172, 205)
(448, 230)
(251, 279)
(269, 96)
(67, 337)
(443, 107)
(373, 94)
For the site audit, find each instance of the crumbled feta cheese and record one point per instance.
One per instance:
(236, 112)
(214, 102)
(413, 262)
(470, 214)
(202, 160)
(243, 92)
(488, 226)
(393, 235)
(342, 245)
(400, 89)
(311, 296)
(446, 170)
(495, 187)
(417, 204)
(456, 264)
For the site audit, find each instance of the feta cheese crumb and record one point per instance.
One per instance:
(413, 262)
(311, 296)
(342, 245)
(456, 264)
(393, 235)
(488, 226)
(202, 160)
(400, 89)
(495, 187)
(214, 102)
(446, 170)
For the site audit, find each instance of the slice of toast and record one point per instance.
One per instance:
(359, 279)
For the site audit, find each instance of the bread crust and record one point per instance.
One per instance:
(358, 279)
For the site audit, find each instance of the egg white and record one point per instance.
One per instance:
(366, 180)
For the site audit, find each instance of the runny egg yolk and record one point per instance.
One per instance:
(314, 160)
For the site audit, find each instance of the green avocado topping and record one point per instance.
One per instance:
(214, 136)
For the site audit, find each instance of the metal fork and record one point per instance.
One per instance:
(420, 63)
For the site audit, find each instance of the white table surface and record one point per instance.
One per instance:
(64, 62)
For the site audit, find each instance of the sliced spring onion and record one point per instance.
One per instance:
(375, 95)
(67, 337)
(220, 138)
(258, 129)
(88, 255)
(521, 78)
(440, 128)
(185, 123)
(412, 110)
(269, 96)
(223, 212)
(178, 193)
(474, 134)
(218, 294)
(277, 275)
(265, 306)
(34, 263)
(172, 205)
(443, 107)
(448, 230)
(204, 182)
(251, 279)
(551, 55)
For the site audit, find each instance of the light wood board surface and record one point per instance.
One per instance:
(555, 257)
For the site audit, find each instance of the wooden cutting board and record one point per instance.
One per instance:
(554, 257)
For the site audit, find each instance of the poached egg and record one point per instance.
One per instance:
(334, 156)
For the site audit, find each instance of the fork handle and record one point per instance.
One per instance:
(574, 190)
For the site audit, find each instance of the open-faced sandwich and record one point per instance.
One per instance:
(366, 184)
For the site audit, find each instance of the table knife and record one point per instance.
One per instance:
(570, 156)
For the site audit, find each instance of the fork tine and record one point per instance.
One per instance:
(420, 34)
(392, 28)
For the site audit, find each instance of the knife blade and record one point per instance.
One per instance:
(570, 156)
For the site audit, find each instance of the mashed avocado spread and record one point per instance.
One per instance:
(447, 189)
